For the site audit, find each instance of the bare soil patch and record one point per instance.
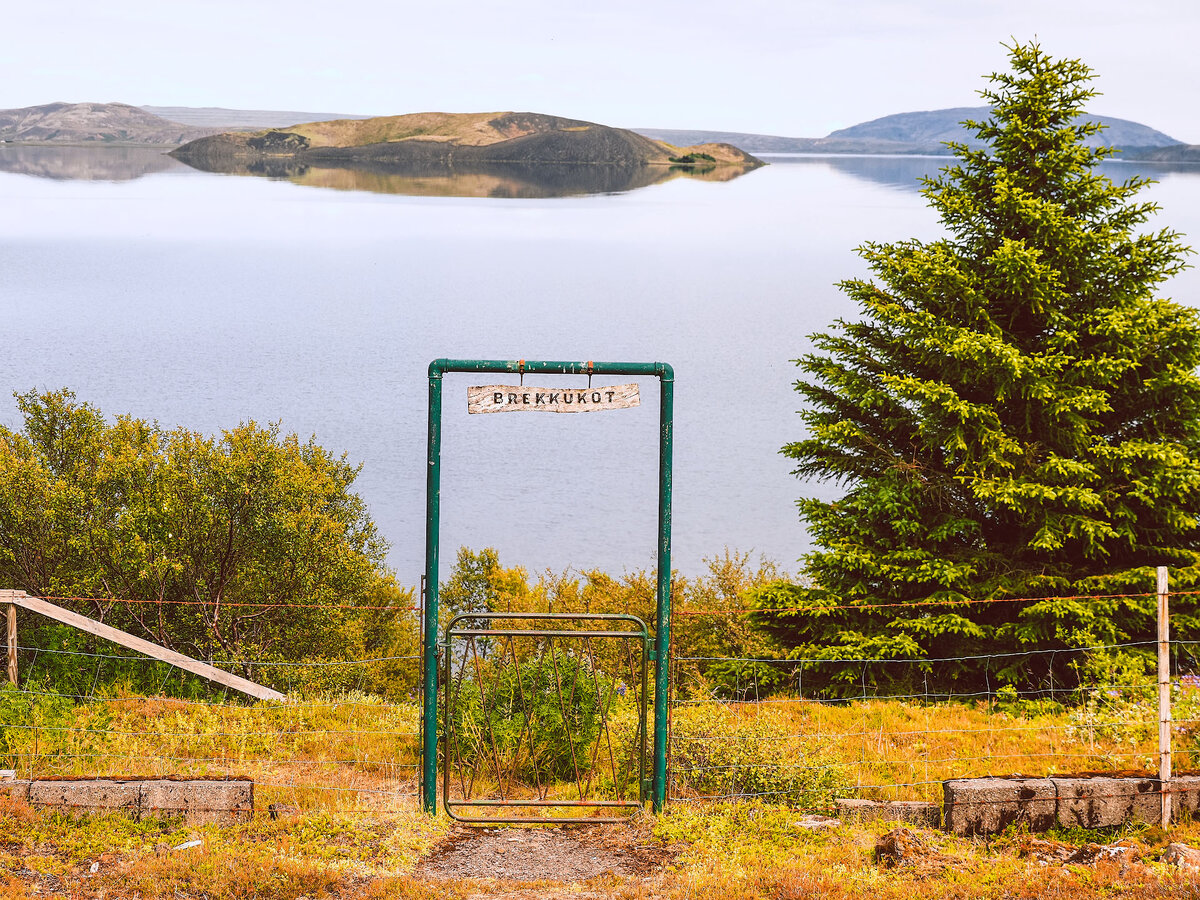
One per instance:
(563, 854)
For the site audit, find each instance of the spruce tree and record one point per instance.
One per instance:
(1015, 415)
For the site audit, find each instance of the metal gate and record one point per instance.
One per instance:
(542, 722)
(657, 651)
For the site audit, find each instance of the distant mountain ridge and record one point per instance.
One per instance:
(903, 133)
(123, 124)
(938, 125)
(218, 118)
(102, 123)
(922, 132)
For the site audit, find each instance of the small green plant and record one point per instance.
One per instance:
(1009, 700)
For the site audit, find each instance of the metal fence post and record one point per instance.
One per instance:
(1164, 697)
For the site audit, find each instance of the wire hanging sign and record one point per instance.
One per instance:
(492, 398)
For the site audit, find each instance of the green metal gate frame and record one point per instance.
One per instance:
(660, 651)
(640, 634)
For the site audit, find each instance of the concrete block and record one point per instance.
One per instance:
(1185, 797)
(911, 812)
(15, 789)
(989, 805)
(1103, 802)
(80, 797)
(199, 802)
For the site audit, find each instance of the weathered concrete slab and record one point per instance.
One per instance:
(196, 801)
(1102, 802)
(15, 789)
(989, 805)
(199, 802)
(80, 797)
(911, 812)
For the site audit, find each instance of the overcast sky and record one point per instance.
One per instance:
(790, 67)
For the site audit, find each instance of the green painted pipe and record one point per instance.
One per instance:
(433, 504)
(666, 376)
(662, 616)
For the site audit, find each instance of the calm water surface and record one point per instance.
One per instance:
(204, 300)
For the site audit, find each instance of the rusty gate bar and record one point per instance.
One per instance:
(659, 652)
(638, 633)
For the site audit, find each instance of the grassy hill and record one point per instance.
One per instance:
(455, 138)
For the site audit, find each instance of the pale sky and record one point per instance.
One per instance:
(789, 67)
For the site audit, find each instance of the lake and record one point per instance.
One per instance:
(203, 300)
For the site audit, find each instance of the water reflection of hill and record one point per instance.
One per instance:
(511, 180)
(85, 163)
(906, 172)
(502, 180)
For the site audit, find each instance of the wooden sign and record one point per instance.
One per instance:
(491, 398)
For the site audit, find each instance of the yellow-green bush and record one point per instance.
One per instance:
(718, 752)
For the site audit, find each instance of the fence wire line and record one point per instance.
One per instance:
(962, 601)
(282, 732)
(240, 604)
(937, 696)
(257, 706)
(223, 662)
(836, 736)
(1077, 734)
(1047, 798)
(920, 659)
(223, 761)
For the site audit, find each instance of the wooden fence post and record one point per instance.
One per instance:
(11, 641)
(1164, 697)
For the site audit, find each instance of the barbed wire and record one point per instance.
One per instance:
(920, 659)
(240, 604)
(909, 604)
(251, 663)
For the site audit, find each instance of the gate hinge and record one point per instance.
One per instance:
(651, 654)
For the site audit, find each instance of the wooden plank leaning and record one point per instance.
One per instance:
(99, 629)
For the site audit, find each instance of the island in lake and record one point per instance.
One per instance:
(452, 138)
(517, 154)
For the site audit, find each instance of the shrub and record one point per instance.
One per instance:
(537, 720)
(715, 751)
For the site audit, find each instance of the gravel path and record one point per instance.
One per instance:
(565, 854)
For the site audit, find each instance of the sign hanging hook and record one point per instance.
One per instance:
(521, 370)
(589, 371)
